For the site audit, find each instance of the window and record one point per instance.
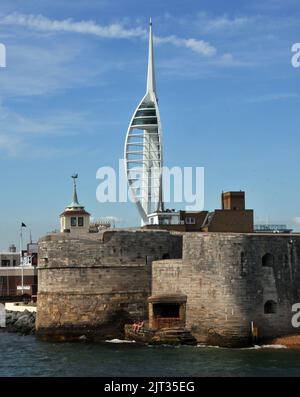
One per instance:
(268, 260)
(164, 220)
(143, 121)
(5, 262)
(148, 112)
(146, 105)
(14, 262)
(80, 221)
(166, 310)
(73, 221)
(270, 307)
(190, 220)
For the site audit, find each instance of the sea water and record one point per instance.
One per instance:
(27, 356)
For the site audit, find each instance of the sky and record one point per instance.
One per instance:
(228, 95)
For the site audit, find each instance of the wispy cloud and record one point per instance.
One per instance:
(47, 67)
(42, 23)
(9, 144)
(19, 133)
(223, 22)
(112, 31)
(242, 39)
(200, 46)
(273, 97)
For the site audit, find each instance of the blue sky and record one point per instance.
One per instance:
(229, 101)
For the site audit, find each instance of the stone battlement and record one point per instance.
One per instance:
(95, 283)
(231, 280)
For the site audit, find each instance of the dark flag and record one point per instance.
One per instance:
(23, 225)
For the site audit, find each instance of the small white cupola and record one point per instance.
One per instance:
(75, 218)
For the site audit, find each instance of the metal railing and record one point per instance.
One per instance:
(167, 322)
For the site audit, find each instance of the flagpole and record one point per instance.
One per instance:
(21, 259)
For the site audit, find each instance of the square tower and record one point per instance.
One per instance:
(233, 201)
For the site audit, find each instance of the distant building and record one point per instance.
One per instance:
(18, 280)
(272, 229)
(232, 218)
(10, 258)
(31, 255)
(99, 224)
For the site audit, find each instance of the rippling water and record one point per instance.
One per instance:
(26, 356)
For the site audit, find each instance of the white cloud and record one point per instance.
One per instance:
(200, 46)
(112, 31)
(42, 23)
(297, 220)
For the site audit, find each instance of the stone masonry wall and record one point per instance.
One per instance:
(93, 285)
(227, 286)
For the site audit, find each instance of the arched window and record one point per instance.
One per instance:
(268, 260)
(270, 307)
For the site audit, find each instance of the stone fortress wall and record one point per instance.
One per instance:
(92, 285)
(95, 284)
(231, 280)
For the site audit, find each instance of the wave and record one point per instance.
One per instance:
(274, 347)
(209, 346)
(255, 347)
(119, 341)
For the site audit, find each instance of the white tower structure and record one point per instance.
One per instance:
(144, 151)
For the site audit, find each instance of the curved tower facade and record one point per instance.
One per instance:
(143, 149)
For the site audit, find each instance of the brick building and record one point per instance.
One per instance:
(233, 217)
(16, 280)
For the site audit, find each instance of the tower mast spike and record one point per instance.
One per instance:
(151, 85)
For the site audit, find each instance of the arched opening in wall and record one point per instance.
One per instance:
(268, 260)
(270, 307)
(166, 256)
